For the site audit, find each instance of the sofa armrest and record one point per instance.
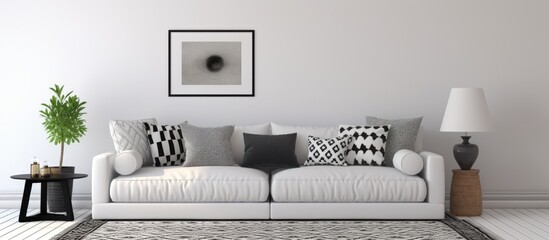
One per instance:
(433, 174)
(102, 175)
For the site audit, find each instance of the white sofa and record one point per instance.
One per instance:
(233, 192)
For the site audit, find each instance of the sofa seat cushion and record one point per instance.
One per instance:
(346, 184)
(191, 184)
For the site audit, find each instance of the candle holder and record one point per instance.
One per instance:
(35, 168)
(45, 171)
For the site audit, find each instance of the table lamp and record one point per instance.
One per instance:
(467, 111)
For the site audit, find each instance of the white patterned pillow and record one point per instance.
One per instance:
(368, 144)
(330, 151)
(131, 135)
(166, 144)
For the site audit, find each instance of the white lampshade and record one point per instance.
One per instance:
(467, 111)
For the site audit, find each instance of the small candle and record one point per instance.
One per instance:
(45, 171)
(35, 168)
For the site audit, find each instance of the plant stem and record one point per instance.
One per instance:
(62, 151)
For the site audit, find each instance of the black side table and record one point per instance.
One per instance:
(44, 215)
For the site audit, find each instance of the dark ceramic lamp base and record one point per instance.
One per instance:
(465, 153)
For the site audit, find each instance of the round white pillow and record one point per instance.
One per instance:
(127, 162)
(408, 162)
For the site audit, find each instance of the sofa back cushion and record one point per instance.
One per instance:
(301, 145)
(418, 145)
(237, 139)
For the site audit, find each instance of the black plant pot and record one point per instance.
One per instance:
(55, 193)
(465, 153)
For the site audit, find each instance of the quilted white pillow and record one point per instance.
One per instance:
(131, 135)
(408, 162)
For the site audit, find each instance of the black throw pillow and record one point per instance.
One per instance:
(269, 152)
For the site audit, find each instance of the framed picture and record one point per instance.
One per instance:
(210, 63)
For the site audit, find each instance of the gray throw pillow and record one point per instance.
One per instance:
(207, 146)
(402, 135)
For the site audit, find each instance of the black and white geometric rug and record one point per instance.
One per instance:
(447, 229)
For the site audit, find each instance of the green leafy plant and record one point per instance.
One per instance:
(63, 119)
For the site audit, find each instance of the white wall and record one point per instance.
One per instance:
(317, 63)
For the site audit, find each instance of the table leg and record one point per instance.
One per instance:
(67, 199)
(25, 201)
(44, 198)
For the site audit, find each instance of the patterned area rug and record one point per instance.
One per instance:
(447, 229)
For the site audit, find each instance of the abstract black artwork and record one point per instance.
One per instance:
(211, 63)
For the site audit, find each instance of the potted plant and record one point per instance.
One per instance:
(64, 124)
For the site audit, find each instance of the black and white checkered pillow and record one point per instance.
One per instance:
(329, 151)
(368, 144)
(166, 144)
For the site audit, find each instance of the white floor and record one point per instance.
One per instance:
(11, 228)
(514, 223)
(505, 223)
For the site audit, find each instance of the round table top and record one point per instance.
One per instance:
(63, 176)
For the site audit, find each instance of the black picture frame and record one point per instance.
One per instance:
(247, 77)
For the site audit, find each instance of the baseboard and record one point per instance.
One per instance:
(515, 199)
(13, 200)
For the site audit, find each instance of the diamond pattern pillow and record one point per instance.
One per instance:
(329, 151)
(131, 135)
(166, 143)
(368, 144)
